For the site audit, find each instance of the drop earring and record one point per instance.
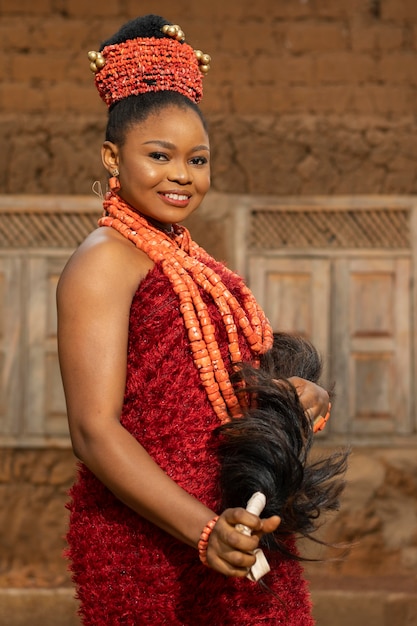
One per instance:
(114, 182)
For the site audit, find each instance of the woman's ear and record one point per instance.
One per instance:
(110, 156)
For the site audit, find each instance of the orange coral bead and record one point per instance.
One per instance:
(213, 388)
(221, 375)
(206, 375)
(194, 334)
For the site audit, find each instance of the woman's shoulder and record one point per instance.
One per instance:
(106, 258)
(107, 243)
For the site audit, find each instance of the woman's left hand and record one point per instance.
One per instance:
(314, 399)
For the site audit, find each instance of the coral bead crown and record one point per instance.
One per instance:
(145, 64)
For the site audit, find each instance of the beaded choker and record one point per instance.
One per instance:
(183, 262)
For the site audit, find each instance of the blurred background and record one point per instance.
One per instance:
(312, 111)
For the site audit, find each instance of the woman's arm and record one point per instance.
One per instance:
(94, 298)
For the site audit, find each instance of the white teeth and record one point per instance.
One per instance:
(176, 196)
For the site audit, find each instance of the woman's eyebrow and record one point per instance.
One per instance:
(202, 146)
(170, 146)
(160, 142)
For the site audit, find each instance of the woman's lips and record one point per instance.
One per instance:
(175, 199)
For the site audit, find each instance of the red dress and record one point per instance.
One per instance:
(128, 571)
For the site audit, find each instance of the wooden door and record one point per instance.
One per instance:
(357, 311)
(372, 345)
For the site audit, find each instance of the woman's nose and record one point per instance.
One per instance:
(180, 172)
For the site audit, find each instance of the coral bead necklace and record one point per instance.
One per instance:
(183, 263)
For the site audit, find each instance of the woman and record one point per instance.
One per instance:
(150, 328)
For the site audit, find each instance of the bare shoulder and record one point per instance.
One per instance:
(104, 262)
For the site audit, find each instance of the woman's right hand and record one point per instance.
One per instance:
(229, 551)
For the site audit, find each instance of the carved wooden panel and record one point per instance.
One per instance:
(45, 412)
(372, 342)
(324, 226)
(11, 384)
(294, 293)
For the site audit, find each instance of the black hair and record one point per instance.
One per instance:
(126, 113)
(145, 26)
(268, 448)
(137, 108)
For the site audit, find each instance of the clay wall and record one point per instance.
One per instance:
(304, 96)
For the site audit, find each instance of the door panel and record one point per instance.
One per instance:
(295, 296)
(45, 411)
(372, 345)
(11, 324)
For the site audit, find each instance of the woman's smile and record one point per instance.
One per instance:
(175, 198)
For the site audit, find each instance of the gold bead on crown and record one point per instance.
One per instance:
(174, 31)
(204, 61)
(97, 61)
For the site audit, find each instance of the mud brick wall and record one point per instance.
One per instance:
(304, 96)
(33, 518)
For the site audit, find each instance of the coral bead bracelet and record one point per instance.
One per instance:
(204, 539)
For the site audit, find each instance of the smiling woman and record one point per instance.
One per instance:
(150, 331)
(163, 163)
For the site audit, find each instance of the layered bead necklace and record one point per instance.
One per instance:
(183, 263)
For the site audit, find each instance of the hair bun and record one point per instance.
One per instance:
(145, 26)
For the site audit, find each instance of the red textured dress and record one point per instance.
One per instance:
(128, 571)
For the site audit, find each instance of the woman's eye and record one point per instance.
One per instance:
(158, 156)
(199, 160)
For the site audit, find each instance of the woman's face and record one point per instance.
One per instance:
(164, 165)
